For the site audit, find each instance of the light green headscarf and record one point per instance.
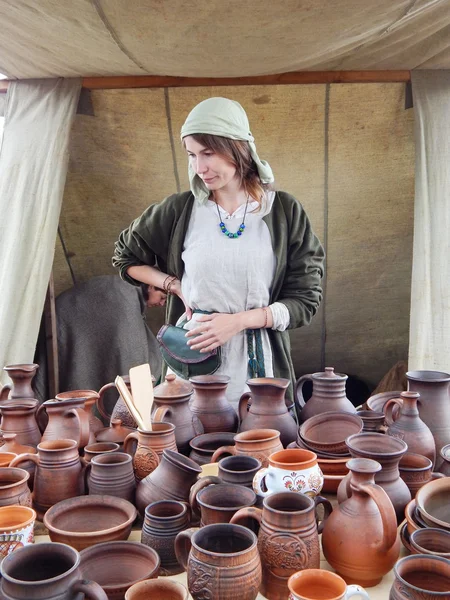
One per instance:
(226, 118)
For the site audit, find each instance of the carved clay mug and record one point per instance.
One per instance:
(421, 577)
(318, 584)
(290, 470)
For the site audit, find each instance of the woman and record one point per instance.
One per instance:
(231, 247)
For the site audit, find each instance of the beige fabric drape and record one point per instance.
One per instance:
(33, 167)
(429, 346)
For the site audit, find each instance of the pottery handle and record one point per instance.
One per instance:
(243, 514)
(356, 590)
(221, 451)
(160, 413)
(244, 403)
(327, 510)
(259, 481)
(90, 589)
(39, 415)
(83, 425)
(298, 392)
(183, 545)
(199, 485)
(100, 400)
(4, 392)
(132, 439)
(388, 410)
(23, 457)
(387, 512)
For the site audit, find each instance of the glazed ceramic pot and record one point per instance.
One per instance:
(119, 411)
(372, 421)
(16, 528)
(116, 433)
(222, 561)
(363, 527)
(328, 394)
(290, 471)
(90, 399)
(67, 420)
(318, 584)
(112, 475)
(99, 448)
(259, 443)
(146, 447)
(239, 470)
(219, 503)
(162, 523)
(265, 406)
(21, 377)
(210, 404)
(288, 538)
(387, 451)
(46, 571)
(14, 487)
(416, 471)
(157, 588)
(408, 426)
(421, 577)
(435, 542)
(19, 417)
(203, 446)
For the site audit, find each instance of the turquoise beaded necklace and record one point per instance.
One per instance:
(223, 228)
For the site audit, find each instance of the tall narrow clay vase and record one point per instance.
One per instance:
(67, 420)
(267, 408)
(19, 417)
(359, 538)
(90, 399)
(328, 394)
(21, 376)
(210, 403)
(409, 427)
(147, 447)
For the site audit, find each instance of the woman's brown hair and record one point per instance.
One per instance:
(237, 152)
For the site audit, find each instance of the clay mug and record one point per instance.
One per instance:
(430, 541)
(318, 584)
(203, 446)
(290, 470)
(14, 487)
(99, 448)
(16, 528)
(259, 443)
(416, 471)
(146, 447)
(157, 589)
(218, 503)
(421, 577)
(288, 537)
(222, 561)
(239, 470)
(112, 475)
(47, 571)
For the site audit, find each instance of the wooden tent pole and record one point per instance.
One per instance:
(51, 339)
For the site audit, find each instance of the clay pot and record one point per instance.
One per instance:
(210, 404)
(112, 475)
(84, 521)
(99, 448)
(90, 399)
(363, 527)
(67, 420)
(157, 588)
(265, 406)
(203, 446)
(259, 443)
(445, 464)
(162, 523)
(46, 571)
(14, 487)
(171, 480)
(116, 566)
(239, 470)
(419, 577)
(147, 447)
(409, 427)
(222, 561)
(288, 538)
(21, 376)
(59, 473)
(372, 421)
(416, 471)
(318, 584)
(218, 503)
(327, 432)
(387, 451)
(116, 433)
(16, 528)
(120, 410)
(433, 503)
(434, 402)
(328, 394)
(435, 542)
(172, 404)
(19, 417)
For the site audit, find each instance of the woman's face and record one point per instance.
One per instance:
(216, 172)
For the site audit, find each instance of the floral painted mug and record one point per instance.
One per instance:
(318, 584)
(16, 528)
(290, 470)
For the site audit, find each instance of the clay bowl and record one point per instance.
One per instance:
(299, 443)
(87, 520)
(328, 431)
(433, 503)
(116, 566)
(331, 483)
(431, 541)
(377, 402)
(333, 466)
(203, 446)
(410, 517)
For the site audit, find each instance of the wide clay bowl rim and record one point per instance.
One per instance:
(103, 551)
(428, 490)
(227, 527)
(421, 549)
(321, 421)
(378, 448)
(405, 559)
(80, 501)
(383, 397)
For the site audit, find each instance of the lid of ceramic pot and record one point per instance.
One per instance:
(116, 433)
(173, 387)
(329, 374)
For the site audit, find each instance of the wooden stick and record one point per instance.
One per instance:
(51, 339)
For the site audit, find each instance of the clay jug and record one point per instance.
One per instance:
(210, 403)
(21, 376)
(421, 577)
(288, 538)
(259, 443)
(67, 420)
(90, 398)
(172, 404)
(146, 447)
(112, 475)
(387, 451)
(14, 487)
(434, 402)
(46, 571)
(408, 426)
(171, 480)
(59, 473)
(359, 538)
(19, 417)
(265, 406)
(328, 394)
(119, 411)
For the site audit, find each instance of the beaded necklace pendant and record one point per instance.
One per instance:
(240, 231)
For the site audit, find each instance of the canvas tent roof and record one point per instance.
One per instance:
(220, 38)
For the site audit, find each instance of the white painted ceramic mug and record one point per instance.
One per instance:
(319, 584)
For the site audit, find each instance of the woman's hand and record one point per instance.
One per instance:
(214, 330)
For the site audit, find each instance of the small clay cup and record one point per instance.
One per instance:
(16, 528)
(318, 584)
(416, 471)
(157, 589)
(431, 541)
(421, 577)
(239, 470)
(219, 503)
(98, 448)
(203, 446)
(373, 421)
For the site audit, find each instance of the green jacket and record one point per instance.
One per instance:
(156, 238)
